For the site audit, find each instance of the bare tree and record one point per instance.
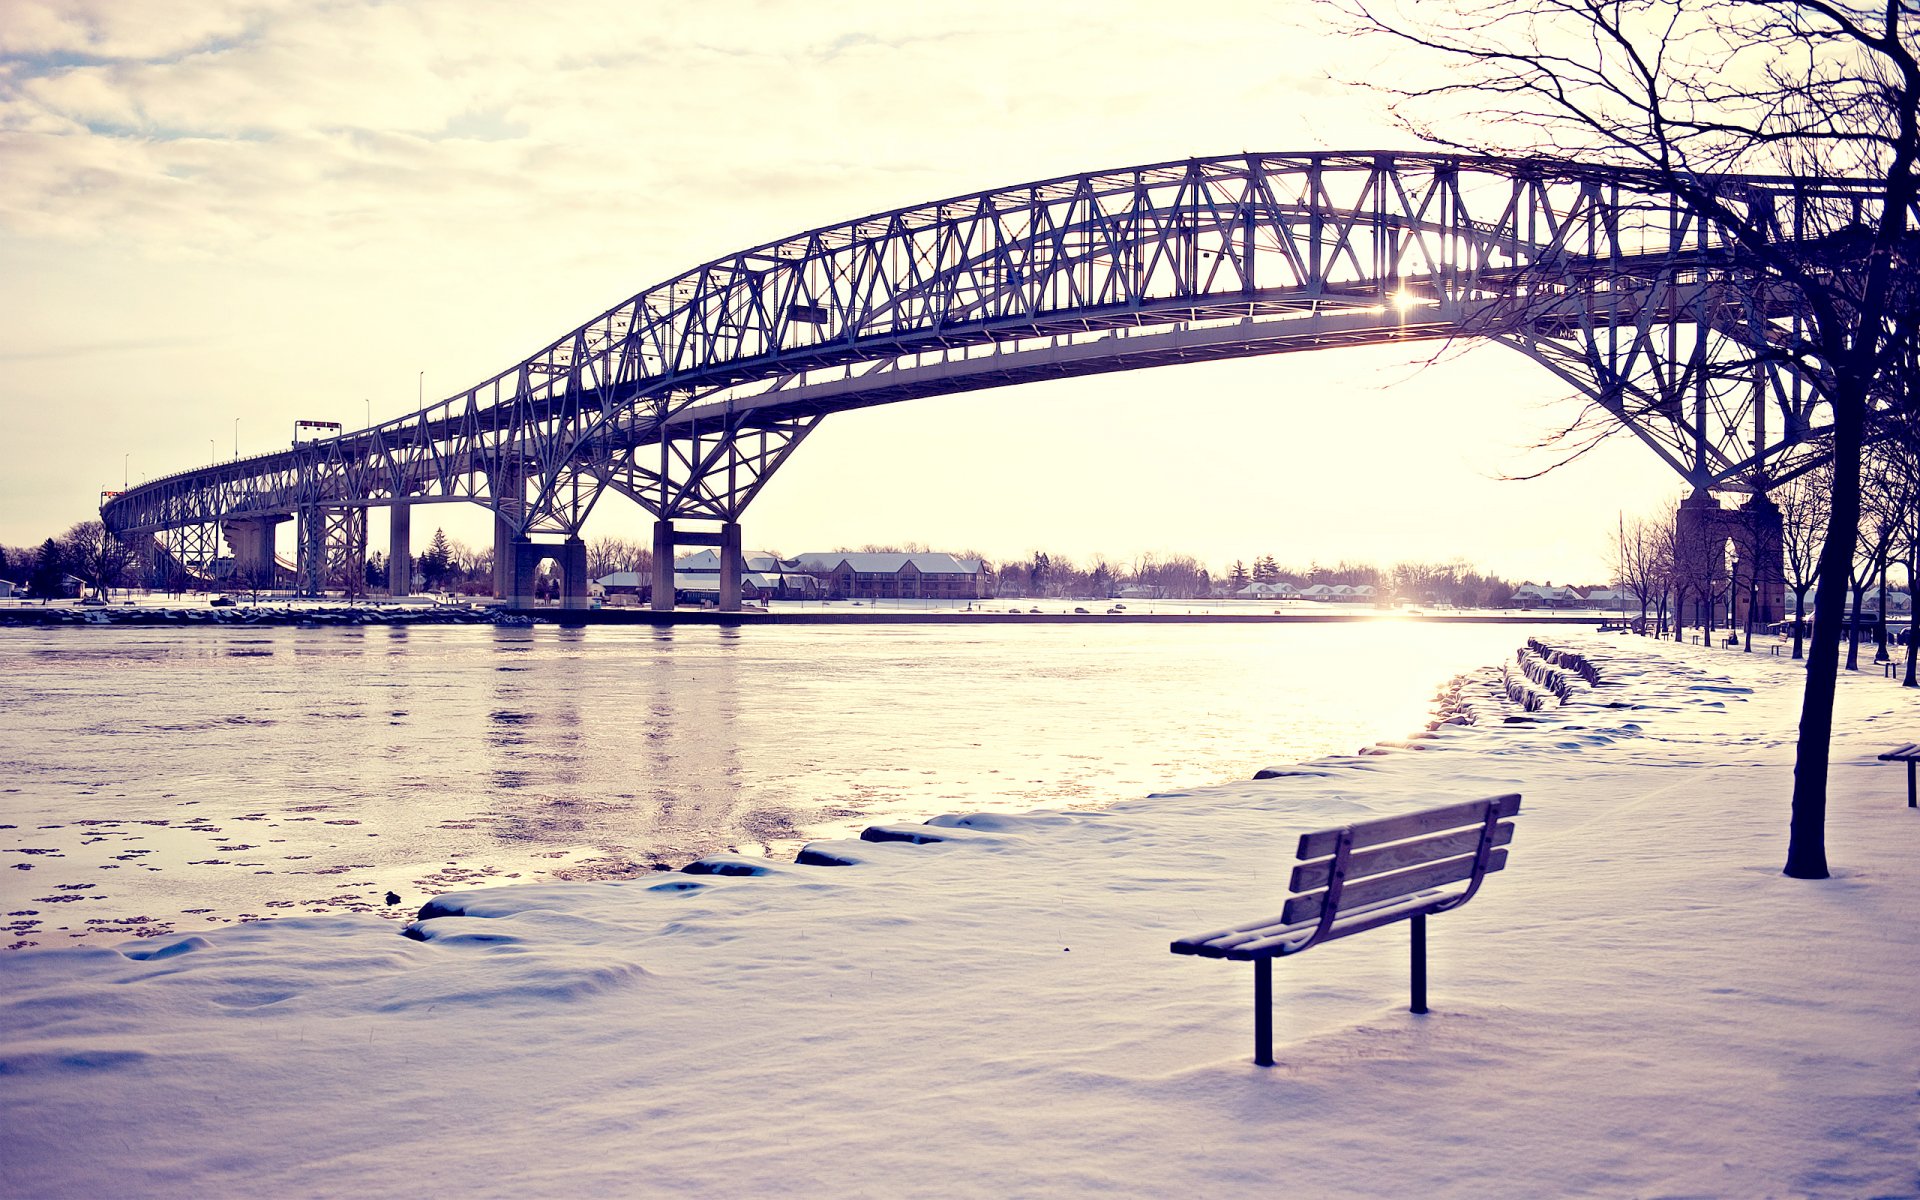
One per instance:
(93, 553)
(1803, 529)
(1868, 564)
(1645, 565)
(1686, 92)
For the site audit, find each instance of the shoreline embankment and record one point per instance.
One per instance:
(319, 615)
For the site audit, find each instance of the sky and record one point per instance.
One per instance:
(218, 218)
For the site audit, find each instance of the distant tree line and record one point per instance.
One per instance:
(86, 551)
(103, 563)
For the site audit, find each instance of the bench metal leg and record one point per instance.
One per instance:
(1910, 796)
(1263, 1012)
(1419, 923)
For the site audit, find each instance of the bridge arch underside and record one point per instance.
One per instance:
(689, 396)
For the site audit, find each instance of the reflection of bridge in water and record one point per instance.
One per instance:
(687, 397)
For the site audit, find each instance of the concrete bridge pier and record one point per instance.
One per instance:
(400, 550)
(503, 558)
(663, 546)
(1750, 536)
(508, 486)
(516, 571)
(524, 556)
(730, 566)
(252, 541)
(574, 592)
(666, 540)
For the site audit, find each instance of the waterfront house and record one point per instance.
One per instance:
(1611, 599)
(1545, 595)
(895, 576)
(762, 577)
(1260, 590)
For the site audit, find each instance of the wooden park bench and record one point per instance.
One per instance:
(1363, 876)
(1907, 754)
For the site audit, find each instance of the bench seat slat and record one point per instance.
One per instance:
(1226, 942)
(1367, 916)
(1194, 944)
(1308, 877)
(1386, 887)
(1419, 824)
(1901, 753)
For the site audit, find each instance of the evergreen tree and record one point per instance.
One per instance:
(1237, 577)
(437, 561)
(47, 573)
(3, 564)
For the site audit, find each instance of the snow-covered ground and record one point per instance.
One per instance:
(1642, 1005)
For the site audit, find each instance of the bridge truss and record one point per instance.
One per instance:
(689, 396)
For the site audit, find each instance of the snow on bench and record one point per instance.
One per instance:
(1364, 876)
(1907, 754)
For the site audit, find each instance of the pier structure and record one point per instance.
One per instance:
(687, 397)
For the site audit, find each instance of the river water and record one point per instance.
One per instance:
(154, 779)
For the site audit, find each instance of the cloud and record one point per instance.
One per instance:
(264, 128)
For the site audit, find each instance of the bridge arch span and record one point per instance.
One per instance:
(688, 396)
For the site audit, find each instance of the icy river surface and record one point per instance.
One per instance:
(154, 779)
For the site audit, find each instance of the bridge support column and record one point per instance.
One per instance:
(730, 566)
(503, 540)
(1694, 545)
(663, 566)
(508, 484)
(1762, 561)
(523, 560)
(251, 540)
(1703, 532)
(574, 593)
(400, 550)
(333, 549)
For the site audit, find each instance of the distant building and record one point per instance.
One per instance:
(1340, 593)
(1545, 595)
(696, 577)
(8, 589)
(1260, 590)
(895, 576)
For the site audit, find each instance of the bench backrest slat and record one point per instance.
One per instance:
(1399, 856)
(1387, 887)
(1394, 829)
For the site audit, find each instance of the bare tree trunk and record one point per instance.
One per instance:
(1880, 654)
(1913, 603)
(1799, 621)
(1806, 830)
(1853, 625)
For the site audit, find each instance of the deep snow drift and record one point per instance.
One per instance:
(1640, 1005)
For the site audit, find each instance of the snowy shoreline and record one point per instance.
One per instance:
(1641, 1004)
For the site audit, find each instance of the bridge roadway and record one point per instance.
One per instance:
(688, 396)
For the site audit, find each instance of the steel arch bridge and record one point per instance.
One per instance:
(688, 396)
